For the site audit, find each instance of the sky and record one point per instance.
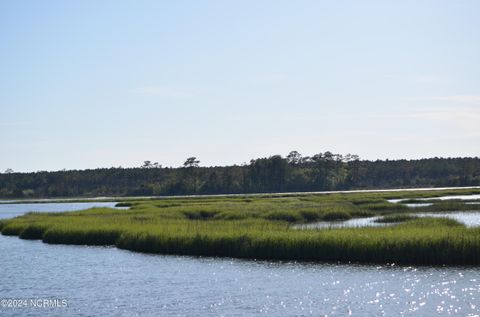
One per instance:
(87, 84)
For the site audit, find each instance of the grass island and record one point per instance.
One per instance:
(263, 227)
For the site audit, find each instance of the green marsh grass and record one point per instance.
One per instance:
(446, 205)
(124, 204)
(260, 228)
(395, 218)
(336, 215)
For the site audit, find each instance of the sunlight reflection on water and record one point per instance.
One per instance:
(105, 281)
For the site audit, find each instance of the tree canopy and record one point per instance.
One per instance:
(321, 171)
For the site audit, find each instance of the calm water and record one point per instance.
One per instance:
(416, 205)
(351, 223)
(110, 282)
(460, 197)
(468, 218)
(14, 210)
(453, 197)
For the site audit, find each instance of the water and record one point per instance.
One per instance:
(455, 197)
(105, 281)
(416, 205)
(468, 218)
(459, 197)
(351, 223)
(14, 210)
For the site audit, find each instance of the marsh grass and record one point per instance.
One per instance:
(260, 228)
(386, 207)
(124, 204)
(417, 201)
(336, 215)
(446, 205)
(395, 218)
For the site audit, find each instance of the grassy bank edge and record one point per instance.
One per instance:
(191, 226)
(456, 246)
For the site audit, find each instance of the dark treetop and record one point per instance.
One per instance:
(323, 171)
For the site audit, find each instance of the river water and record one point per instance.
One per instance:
(470, 219)
(14, 210)
(105, 281)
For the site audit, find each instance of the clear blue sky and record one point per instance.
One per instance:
(88, 84)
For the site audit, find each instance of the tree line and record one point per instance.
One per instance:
(320, 172)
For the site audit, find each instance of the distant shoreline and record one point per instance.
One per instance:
(120, 198)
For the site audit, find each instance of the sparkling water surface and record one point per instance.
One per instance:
(105, 281)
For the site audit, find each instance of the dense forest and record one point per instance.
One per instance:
(323, 171)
